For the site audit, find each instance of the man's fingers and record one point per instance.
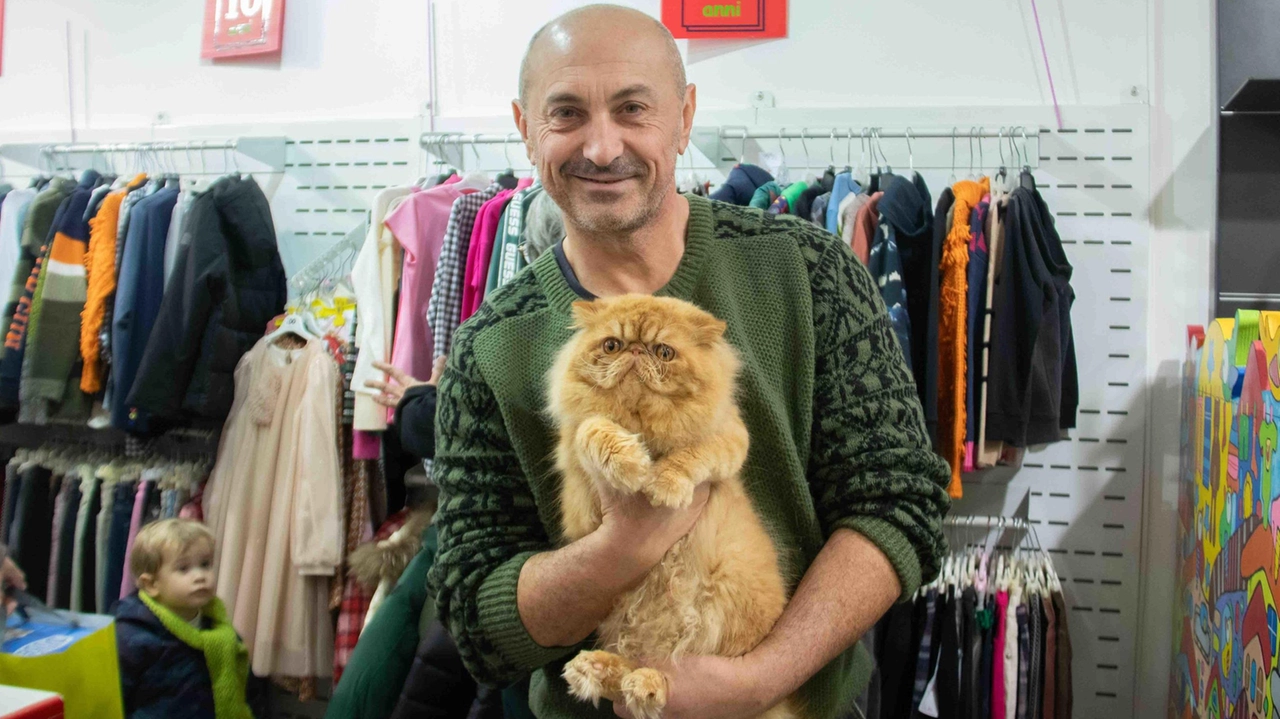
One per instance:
(376, 384)
(386, 400)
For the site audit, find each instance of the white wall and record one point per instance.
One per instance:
(1183, 181)
(844, 54)
(132, 59)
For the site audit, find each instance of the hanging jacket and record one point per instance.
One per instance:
(439, 687)
(229, 282)
(139, 292)
(1032, 389)
(42, 216)
(977, 292)
(741, 184)
(53, 347)
(905, 228)
(765, 195)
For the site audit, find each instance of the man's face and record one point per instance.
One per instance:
(604, 125)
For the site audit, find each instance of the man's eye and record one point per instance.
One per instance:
(564, 113)
(633, 108)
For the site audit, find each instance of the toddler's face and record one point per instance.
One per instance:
(185, 582)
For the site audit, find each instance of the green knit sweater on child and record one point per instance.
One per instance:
(837, 435)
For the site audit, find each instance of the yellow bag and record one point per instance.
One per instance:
(79, 662)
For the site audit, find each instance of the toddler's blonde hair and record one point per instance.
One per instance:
(165, 539)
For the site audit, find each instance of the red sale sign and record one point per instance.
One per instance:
(736, 19)
(235, 28)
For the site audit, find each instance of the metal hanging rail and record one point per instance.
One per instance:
(726, 145)
(159, 146)
(267, 153)
(988, 522)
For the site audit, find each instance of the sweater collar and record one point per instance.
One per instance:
(697, 243)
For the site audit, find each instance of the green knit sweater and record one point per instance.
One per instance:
(837, 435)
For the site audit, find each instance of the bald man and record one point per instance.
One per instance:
(839, 467)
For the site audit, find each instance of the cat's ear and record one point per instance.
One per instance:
(709, 329)
(583, 312)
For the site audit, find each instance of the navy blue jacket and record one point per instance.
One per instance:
(139, 290)
(160, 676)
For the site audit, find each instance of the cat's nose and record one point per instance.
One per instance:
(635, 350)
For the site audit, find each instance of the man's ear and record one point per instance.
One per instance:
(522, 125)
(687, 112)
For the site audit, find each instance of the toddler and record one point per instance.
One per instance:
(179, 655)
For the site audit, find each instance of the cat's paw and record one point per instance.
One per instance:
(592, 676)
(670, 488)
(619, 457)
(645, 692)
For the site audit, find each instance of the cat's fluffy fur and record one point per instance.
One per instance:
(643, 396)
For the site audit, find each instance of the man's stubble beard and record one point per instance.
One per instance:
(620, 226)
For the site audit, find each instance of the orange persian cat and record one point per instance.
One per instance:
(643, 396)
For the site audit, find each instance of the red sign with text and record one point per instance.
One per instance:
(735, 19)
(236, 28)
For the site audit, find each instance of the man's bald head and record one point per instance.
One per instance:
(631, 26)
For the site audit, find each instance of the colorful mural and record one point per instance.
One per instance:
(1226, 663)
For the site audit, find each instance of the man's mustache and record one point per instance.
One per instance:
(619, 168)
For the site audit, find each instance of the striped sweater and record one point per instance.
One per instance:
(53, 343)
(36, 235)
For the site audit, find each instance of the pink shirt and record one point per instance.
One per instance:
(418, 224)
(480, 252)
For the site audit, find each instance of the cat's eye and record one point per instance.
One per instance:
(612, 345)
(664, 352)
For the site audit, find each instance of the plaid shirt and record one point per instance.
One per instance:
(444, 311)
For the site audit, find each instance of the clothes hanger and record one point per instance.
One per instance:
(911, 155)
(1026, 179)
(874, 178)
(848, 154)
(981, 159)
(864, 170)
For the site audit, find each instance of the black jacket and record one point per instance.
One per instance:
(416, 421)
(160, 676)
(439, 687)
(228, 283)
(920, 262)
(1032, 389)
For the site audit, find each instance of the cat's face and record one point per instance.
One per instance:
(642, 344)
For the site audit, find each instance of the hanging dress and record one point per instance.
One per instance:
(274, 503)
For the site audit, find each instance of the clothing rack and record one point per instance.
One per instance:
(989, 522)
(726, 145)
(263, 155)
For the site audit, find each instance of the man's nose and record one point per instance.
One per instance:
(604, 141)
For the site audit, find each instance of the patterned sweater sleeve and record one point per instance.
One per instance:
(488, 527)
(871, 468)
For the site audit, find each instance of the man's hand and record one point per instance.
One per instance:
(565, 594)
(704, 687)
(642, 532)
(10, 576)
(392, 391)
